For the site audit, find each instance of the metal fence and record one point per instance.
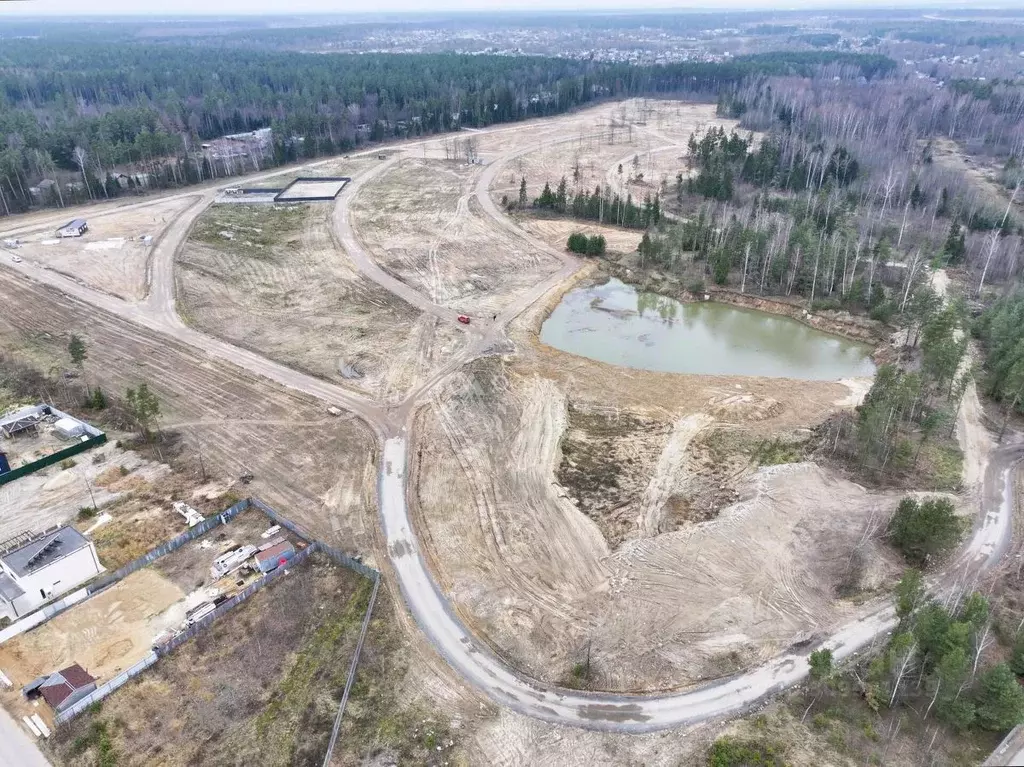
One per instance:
(164, 649)
(163, 550)
(352, 672)
(105, 689)
(339, 557)
(306, 179)
(179, 639)
(52, 458)
(42, 615)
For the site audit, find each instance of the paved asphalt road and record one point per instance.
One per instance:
(432, 611)
(17, 749)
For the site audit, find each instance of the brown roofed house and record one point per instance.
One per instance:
(67, 686)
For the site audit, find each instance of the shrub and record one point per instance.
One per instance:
(596, 245)
(1000, 700)
(68, 463)
(732, 752)
(96, 400)
(883, 312)
(577, 243)
(1017, 658)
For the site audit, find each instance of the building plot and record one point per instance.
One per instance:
(260, 685)
(117, 627)
(108, 250)
(299, 456)
(310, 188)
(273, 279)
(420, 222)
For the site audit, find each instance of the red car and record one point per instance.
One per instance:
(463, 319)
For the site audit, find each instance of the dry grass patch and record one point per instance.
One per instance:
(260, 686)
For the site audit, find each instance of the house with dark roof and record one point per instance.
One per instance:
(75, 228)
(38, 567)
(63, 688)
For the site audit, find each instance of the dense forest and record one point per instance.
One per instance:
(75, 114)
(852, 189)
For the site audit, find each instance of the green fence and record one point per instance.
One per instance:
(49, 460)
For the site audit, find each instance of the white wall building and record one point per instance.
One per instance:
(75, 228)
(37, 568)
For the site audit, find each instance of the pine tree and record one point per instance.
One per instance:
(1000, 699)
(561, 196)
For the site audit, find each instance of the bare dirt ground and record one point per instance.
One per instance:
(321, 468)
(982, 176)
(116, 628)
(111, 256)
(419, 222)
(535, 561)
(282, 286)
(646, 137)
(143, 516)
(555, 232)
(544, 580)
(262, 684)
(55, 494)
(105, 634)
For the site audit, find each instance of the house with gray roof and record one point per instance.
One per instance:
(74, 228)
(38, 567)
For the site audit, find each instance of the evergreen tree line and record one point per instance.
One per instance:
(721, 159)
(933, 663)
(82, 109)
(1001, 330)
(602, 205)
(905, 409)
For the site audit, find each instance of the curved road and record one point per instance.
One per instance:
(475, 662)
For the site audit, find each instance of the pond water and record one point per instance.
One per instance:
(617, 324)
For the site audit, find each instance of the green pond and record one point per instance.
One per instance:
(615, 323)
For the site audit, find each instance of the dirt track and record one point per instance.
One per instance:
(520, 539)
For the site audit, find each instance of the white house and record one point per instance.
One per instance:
(37, 568)
(75, 228)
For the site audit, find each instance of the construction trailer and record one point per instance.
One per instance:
(274, 557)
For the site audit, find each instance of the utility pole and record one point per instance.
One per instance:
(91, 496)
(202, 466)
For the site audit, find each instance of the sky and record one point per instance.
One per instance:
(290, 7)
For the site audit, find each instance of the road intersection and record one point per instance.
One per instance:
(470, 657)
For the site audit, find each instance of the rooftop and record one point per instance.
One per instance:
(9, 590)
(59, 686)
(23, 419)
(274, 552)
(24, 557)
(77, 223)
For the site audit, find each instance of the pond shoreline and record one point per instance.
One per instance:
(834, 322)
(608, 320)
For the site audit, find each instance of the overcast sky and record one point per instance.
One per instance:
(181, 7)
